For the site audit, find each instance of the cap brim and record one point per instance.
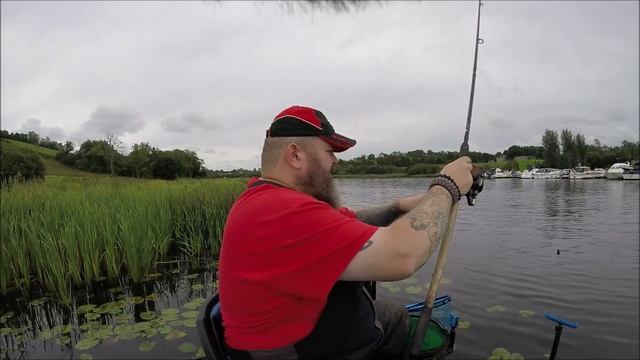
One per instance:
(338, 142)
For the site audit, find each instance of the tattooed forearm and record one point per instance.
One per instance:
(431, 215)
(379, 215)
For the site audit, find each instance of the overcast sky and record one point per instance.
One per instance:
(210, 76)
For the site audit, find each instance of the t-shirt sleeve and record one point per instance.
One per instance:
(315, 244)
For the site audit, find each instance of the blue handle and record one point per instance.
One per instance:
(559, 320)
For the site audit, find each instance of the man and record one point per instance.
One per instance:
(293, 261)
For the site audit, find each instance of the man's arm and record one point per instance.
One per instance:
(384, 215)
(397, 251)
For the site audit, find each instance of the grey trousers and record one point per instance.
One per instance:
(391, 317)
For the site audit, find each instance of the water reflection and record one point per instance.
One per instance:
(135, 320)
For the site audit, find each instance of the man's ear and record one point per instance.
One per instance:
(294, 156)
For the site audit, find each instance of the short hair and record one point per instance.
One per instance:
(274, 146)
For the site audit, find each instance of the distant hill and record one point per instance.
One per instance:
(52, 167)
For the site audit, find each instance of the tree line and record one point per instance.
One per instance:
(557, 150)
(105, 156)
(566, 150)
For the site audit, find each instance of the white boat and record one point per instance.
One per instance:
(545, 173)
(500, 174)
(585, 172)
(616, 170)
(632, 174)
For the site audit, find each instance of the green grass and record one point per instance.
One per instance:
(68, 231)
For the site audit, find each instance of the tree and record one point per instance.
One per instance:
(19, 165)
(113, 146)
(165, 166)
(140, 159)
(569, 153)
(581, 148)
(551, 146)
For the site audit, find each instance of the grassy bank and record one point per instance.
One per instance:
(69, 231)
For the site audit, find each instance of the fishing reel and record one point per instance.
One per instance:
(477, 186)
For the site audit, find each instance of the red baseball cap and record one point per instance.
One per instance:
(305, 121)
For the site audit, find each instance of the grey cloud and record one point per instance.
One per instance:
(35, 125)
(209, 151)
(108, 119)
(189, 122)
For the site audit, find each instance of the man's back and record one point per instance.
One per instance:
(282, 253)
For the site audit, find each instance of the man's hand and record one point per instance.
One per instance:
(460, 171)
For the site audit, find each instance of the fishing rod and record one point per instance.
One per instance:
(425, 315)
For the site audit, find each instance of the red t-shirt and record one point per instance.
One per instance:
(282, 252)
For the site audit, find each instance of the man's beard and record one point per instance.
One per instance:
(320, 185)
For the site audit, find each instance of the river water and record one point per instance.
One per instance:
(528, 247)
(566, 247)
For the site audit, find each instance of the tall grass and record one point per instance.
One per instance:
(71, 231)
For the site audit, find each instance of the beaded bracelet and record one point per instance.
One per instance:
(447, 182)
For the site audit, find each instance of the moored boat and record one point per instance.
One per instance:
(616, 170)
(633, 173)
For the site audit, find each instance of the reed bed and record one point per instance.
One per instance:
(67, 232)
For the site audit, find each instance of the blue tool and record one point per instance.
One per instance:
(559, 322)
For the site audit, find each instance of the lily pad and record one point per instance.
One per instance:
(175, 335)
(136, 300)
(191, 276)
(394, 289)
(413, 290)
(103, 333)
(146, 346)
(123, 318)
(148, 315)
(496, 308)
(62, 329)
(154, 275)
(190, 314)
(504, 354)
(6, 316)
(526, 313)
(115, 290)
(200, 353)
(464, 324)
(176, 323)
(85, 344)
(149, 333)
(445, 281)
(85, 356)
(86, 308)
(191, 305)
(385, 284)
(500, 353)
(169, 311)
(410, 280)
(6, 331)
(152, 297)
(46, 335)
(91, 316)
(191, 323)
(187, 347)
(165, 329)
(38, 302)
(141, 326)
(62, 340)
